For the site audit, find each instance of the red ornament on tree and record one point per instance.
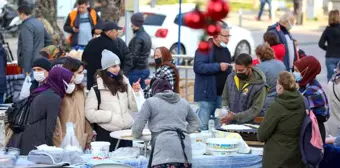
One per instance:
(204, 46)
(194, 19)
(217, 9)
(213, 30)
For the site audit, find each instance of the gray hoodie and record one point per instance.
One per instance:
(167, 111)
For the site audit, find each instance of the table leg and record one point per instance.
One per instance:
(117, 145)
(145, 147)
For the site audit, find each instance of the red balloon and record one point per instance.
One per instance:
(194, 19)
(217, 9)
(204, 46)
(213, 30)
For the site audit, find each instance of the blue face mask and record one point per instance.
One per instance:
(222, 44)
(112, 75)
(298, 76)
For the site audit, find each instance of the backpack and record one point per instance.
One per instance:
(311, 155)
(18, 115)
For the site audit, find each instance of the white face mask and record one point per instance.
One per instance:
(79, 78)
(223, 44)
(69, 87)
(290, 25)
(39, 76)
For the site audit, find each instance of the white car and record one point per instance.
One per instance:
(161, 24)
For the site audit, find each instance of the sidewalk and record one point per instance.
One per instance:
(249, 22)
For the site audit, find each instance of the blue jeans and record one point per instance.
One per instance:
(263, 2)
(331, 65)
(207, 109)
(78, 47)
(134, 75)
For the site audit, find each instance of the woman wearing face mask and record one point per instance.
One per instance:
(73, 107)
(280, 129)
(116, 101)
(44, 110)
(41, 67)
(305, 70)
(271, 68)
(164, 65)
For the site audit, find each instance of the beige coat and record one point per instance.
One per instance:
(115, 111)
(73, 110)
(334, 104)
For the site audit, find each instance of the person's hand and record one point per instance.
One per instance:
(147, 81)
(136, 86)
(228, 118)
(224, 66)
(75, 30)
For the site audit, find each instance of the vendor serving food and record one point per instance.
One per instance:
(247, 88)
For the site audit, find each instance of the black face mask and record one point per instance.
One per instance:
(242, 76)
(158, 61)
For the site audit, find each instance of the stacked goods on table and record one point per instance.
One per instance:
(247, 131)
(12, 68)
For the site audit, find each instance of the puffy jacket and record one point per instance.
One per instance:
(73, 21)
(114, 110)
(140, 46)
(280, 51)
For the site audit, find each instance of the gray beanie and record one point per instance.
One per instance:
(109, 59)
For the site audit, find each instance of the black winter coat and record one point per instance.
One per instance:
(140, 46)
(92, 56)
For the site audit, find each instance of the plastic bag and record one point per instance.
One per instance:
(139, 96)
(25, 90)
(70, 140)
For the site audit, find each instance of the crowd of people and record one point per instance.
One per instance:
(269, 90)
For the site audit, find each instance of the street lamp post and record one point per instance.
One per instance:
(179, 31)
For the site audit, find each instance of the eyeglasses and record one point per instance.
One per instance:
(226, 36)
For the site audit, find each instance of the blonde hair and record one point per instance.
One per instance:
(265, 52)
(333, 17)
(287, 81)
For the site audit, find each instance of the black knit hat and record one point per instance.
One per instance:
(137, 19)
(43, 63)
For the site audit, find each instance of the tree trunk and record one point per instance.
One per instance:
(47, 9)
(111, 10)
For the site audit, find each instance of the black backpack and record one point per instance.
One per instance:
(18, 115)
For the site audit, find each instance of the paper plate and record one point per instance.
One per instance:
(127, 135)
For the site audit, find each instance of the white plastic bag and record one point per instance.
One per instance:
(139, 97)
(25, 90)
(70, 140)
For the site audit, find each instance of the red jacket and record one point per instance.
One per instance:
(279, 51)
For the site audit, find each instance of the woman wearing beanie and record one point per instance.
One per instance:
(41, 67)
(170, 120)
(271, 68)
(164, 65)
(305, 70)
(116, 97)
(333, 95)
(73, 107)
(44, 110)
(280, 129)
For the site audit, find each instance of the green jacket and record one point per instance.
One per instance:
(280, 131)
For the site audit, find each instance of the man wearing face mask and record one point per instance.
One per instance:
(41, 67)
(244, 93)
(140, 46)
(282, 30)
(211, 71)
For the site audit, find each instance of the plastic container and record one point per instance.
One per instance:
(198, 148)
(223, 144)
(100, 150)
(7, 161)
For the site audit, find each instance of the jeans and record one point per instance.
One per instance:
(263, 2)
(2, 99)
(135, 74)
(206, 110)
(78, 47)
(331, 65)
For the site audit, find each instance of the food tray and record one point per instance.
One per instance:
(247, 135)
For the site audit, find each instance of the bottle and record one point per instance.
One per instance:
(337, 139)
(211, 124)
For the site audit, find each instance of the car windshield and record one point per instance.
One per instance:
(152, 19)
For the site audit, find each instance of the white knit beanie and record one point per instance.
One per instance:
(109, 59)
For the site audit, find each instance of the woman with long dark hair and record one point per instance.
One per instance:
(73, 107)
(164, 67)
(116, 97)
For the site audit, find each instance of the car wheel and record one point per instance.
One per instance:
(241, 48)
(174, 50)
